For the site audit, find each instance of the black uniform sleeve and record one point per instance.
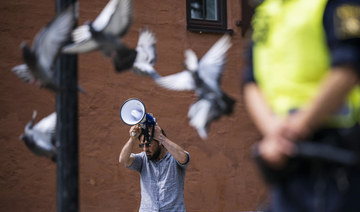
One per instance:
(248, 75)
(342, 28)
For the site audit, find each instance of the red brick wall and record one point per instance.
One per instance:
(221, 175)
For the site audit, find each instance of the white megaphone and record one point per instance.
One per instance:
(133, 112)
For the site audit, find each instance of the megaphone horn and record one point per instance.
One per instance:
(132, 111)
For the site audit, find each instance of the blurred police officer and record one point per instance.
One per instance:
(301, 83)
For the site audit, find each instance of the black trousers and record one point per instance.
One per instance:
(316, 185)
(318, 191)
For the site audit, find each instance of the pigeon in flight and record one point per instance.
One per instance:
(142, 59)
(40, 138)
(40, 58)
(105, 31)
(203, 77)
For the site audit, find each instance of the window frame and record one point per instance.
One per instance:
(199, 25)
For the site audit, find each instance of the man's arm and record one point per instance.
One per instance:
(125, 156)
(175, 150)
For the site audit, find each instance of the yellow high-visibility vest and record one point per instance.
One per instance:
(291, 57)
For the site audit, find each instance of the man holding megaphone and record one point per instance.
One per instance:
(162, 163)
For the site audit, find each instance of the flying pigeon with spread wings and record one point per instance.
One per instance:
(203, 77)
(40, 138)
(142, 60)
(105, 31)
(40, 58)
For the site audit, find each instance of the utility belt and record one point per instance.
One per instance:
(330, 148)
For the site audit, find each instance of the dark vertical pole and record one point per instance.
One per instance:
(67, 129)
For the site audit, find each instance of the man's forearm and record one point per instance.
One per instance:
(175, 150)
(124, 157)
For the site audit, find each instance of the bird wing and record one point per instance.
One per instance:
(83, 41)
(105, 15)
(191, 60)
(146, 55)
(23, 72)
(49, 41)
(81, 44)
(115, 18)
(212, 63)
(44, 145)
(179, 81)
(145, 69)
(46, 125)
(198, 115)
(146, 49)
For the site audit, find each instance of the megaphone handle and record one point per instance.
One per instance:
(133, 134)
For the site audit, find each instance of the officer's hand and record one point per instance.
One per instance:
(135, 131)
(276, 150)
(296, 127)
(158, 134)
